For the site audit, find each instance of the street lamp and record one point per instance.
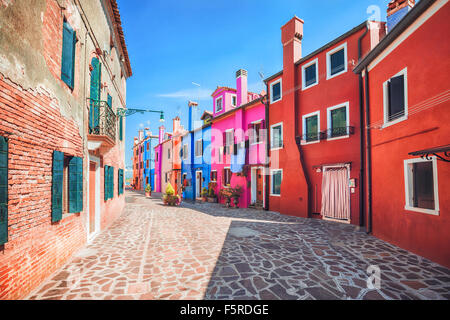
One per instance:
(161, 117)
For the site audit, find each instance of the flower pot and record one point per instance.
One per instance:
(148, 194)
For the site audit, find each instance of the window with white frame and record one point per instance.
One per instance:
(338, 121)
(310, 74)
(185, 151)
(233, 100)
(214, 176)
(421, 185)
(275, 91)
(311, 127)
(198, 148)
(229, 141)
(337, 61)
(226, 177)
(219, 105)
(254, 132)
(395, 98)
(276, 136)
(276, 177)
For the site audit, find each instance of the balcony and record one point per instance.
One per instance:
(102, 126)
(312, 137)
(339, 132)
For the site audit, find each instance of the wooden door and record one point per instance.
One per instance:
(259, 185)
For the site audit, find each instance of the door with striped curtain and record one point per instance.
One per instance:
(336, 193)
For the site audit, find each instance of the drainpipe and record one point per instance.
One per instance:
(369, 156)
(266, 165)
(361, 135)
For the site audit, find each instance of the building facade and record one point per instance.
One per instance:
(315, 126)
(175, 160)
(408, 136)
(196, 154)
(143, 161)
(238, 153)
(63, 72)
(158, 161)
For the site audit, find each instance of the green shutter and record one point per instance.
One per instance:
(68, 55)
(75, 185)
(111, 183)
(57, 186)
(106, 184)
(94, 112)
(109, 101)
(120, 128)
(120, 182)
(3, 190)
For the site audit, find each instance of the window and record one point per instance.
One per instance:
(198, 148)
(276, 177)
(395, 96)
(148, 146)
(68, 55)
(148, 164)
(338, 121)
(226, 176)
(275, 91)
(168, 153)
(157, 156)
(233, 100)
(166, 177)
(214, 176)
(254, 132)
(311, 127)
(109, 182)
(310, 74)
(185, 151)
(228, 141)
(421, 186)
(219, 106)
(276, 135)
(337, 61)
(183, 179)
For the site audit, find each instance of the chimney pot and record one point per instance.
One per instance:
(241, 87)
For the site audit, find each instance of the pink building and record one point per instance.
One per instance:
(238, 151)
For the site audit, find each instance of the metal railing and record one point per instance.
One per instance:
(339, 132)
(313, 136)
(102, 119)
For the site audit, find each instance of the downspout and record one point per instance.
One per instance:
(267, 163)
(361, 135)
(369, 155)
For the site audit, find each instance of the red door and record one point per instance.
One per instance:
(92, 169)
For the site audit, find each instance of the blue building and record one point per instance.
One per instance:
(196, 154)
(149, 161)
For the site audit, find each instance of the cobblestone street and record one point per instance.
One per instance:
(205, 251)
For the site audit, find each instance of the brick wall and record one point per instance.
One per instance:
(36, 247)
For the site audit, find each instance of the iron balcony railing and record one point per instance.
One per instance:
(102, 119)
(313, 136)
(339, 132)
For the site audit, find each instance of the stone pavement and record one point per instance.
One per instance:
(205, 251)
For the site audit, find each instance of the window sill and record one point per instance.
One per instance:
(275, 195)
(304, 143)
(391, 123)
(256, 143)
(274, 101)
(427, 211)
(310, 86)
(329, 76)
(277, 148)
(338, 138)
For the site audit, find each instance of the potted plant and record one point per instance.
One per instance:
(170, 198)
(236, 194)
(226, 195)
(204, 194)
(148, 191)
(212, 198)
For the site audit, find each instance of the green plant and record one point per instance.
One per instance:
(236, 192)
(170, 191)
(211, 193)
(148, 188)
(204, 192)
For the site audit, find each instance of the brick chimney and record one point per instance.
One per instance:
(396, 10)
(176, 125)
(161, 134)
(241, 87)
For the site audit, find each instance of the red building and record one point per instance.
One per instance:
(407, 107)
(314, 125)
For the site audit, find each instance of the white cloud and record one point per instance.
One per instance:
(193, 94)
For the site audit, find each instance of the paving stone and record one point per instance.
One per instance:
(206, 251)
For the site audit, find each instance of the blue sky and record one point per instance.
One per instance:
(173, 43)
